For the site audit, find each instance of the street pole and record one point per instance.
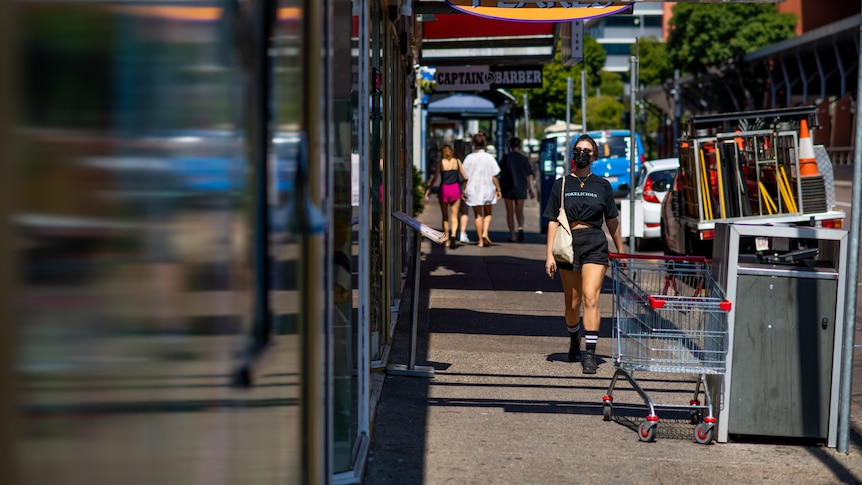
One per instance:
(633, 79)
(677, 110)
(568, 116)
(851, 289)
(583, 101)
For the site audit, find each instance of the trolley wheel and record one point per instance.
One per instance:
(695, 415)
(607, 410)
(704, 433)
(647, 431)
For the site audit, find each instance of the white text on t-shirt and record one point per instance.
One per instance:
(582, 194)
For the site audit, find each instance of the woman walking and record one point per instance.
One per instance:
(450, 172)
(483, 186)
(588, 202)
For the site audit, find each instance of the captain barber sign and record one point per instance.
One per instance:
(482, 78)
(536, 11)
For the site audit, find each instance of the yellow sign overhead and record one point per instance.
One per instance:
(536, 11)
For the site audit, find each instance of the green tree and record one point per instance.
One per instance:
(612, 85)
(704, 35)
(713, 38)
(654, 68)
(604, 113)
(594, 61)
(549, 101)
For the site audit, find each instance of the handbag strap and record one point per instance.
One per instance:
(562, 192)
(563, 207)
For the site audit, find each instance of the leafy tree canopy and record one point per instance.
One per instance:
(707, 34)
(653, 64)
(605, 110)
(549, 101)
(612, 84)
(604, 113)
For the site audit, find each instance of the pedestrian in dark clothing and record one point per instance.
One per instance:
(516, 182)
(589, 203)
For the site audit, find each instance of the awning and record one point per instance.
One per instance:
(462, 106)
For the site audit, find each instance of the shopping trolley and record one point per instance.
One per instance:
(670, 316)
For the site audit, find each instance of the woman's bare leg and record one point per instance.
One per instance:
(462, 225)
(444, 211)
(592, 276)
(454, 213)
(572, 293)
(510, 217)
(519, 214)
(480, 222)
(488, 211)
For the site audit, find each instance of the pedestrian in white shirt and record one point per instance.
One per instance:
(483, 186)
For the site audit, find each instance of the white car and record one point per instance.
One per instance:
(653, 183)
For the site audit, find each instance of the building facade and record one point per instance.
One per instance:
(201, 272)
(617, 34)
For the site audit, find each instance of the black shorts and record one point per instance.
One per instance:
(589, 246)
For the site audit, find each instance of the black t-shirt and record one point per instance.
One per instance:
(591, 204)
(515, 171)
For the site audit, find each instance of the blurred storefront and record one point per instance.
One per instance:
(201, 273)
(196, 298)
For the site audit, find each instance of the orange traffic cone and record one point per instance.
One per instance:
(807, 160)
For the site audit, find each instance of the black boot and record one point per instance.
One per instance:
(574, 347)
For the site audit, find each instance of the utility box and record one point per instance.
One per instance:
(552, 166)
(785, 332)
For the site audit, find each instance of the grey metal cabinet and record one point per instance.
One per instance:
(785, 332)
(783, 347)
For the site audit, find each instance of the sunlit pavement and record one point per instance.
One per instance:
(505, 406)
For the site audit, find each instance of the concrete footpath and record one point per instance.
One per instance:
(505, 406)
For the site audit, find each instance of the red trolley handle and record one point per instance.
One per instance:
(690, 259)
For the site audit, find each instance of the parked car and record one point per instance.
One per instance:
(653, 183)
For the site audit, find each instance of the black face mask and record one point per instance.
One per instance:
(582, 157)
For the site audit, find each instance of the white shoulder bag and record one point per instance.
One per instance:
(562, 248)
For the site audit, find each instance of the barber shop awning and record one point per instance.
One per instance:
(462, 106)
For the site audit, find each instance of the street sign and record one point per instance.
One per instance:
(483, 78)
(572, 34)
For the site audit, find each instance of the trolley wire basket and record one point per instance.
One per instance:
(670, 316)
